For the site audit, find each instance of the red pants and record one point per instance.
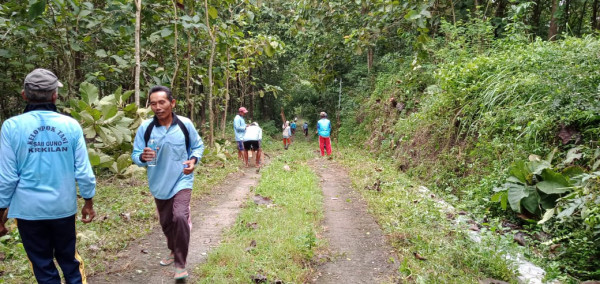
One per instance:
(325, 143)
(287, 141)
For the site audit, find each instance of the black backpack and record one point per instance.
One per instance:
(184, 129)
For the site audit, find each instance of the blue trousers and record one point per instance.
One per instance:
(45, 240)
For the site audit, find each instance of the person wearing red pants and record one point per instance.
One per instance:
(324, 131)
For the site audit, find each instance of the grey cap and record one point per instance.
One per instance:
(41, 80)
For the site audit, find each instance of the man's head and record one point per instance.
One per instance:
(40, 86)
(242, 111)
(161, 101)
(323, 114)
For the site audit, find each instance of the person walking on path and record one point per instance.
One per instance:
(170, 177)
(305, 128)
(293, 128)
(287, 133)
(239, 128)
(324, 131)
(252, 141)
(43, 160)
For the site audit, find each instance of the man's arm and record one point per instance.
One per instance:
(138, 147)
(9, 177)
(197, 150)
(85, 178)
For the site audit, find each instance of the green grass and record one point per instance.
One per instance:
(100, 241)
(413, 223)
(286, 231)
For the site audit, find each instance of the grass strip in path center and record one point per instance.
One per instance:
(276, 240)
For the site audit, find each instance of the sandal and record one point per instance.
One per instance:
(168, 260)
(180, 273)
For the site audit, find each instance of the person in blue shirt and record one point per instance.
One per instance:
(293, 127)
(171, 179)
(43, 158)
(239, 128)
(324, 131)
(305, 128)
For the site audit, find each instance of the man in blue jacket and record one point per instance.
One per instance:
(324, 130)
(43, 154)
(239, 128)
(179, 149)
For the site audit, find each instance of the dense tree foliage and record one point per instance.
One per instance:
(455, 90)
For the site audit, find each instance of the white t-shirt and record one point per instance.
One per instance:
(253, 133)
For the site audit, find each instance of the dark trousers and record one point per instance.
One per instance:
(174, 216)
(45, 240)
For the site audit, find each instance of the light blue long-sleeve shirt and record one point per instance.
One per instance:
(239, 127)
(324, 127)
(42, 155)
(167, 178)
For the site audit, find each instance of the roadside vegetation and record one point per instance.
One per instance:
(276, 234)
(431, 248)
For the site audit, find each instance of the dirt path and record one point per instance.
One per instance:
(210, 216)
(359, 251)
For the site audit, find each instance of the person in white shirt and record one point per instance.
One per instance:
(252, 140)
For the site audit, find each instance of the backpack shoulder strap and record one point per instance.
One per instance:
(149, 131)
(186, 133)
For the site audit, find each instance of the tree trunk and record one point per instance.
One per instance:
(213, 45)
(594, 23)
(138, 18)
(535, 17)
(566, 15)
(501, 9)
(553, 30)
(370, 59)
(227, 74)
(175, 53)
(580, 24)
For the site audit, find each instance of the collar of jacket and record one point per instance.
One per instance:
(157, 123)
(40, 106)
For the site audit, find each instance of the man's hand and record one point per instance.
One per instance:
(188, 166)
(148, 154)
(87, 212)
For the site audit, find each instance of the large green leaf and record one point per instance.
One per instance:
(89, 93)
(553, 183)
(520, 171)
(516, 192)
(89, 132)
(109, 111)
(123, 161)
(36, 9)
(532, 202)
(94, 157)
(212, 12)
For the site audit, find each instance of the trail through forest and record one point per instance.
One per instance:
(358, 250)
(139, 263)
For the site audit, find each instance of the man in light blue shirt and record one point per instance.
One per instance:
(43, 155)
(239, 128)
(179, 149)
